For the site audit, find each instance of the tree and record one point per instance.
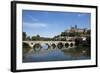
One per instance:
(71, 34)
(25, 45)
(24, 35)
(84, 31)
(88, 39)
(26, 48)
(78, 41)
(28, 38)
(33, 38)
(64, 34)
(38, 36)
(88, 31)
(63, 39)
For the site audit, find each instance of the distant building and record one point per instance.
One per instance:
(82, 31)
(75, 29)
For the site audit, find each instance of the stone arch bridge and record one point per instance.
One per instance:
(67, 44)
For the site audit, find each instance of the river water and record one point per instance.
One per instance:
(54, 54)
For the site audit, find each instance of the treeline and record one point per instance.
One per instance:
(39, 38)
(61, 37)
(35, 38)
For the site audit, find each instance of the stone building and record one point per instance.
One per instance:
(75, 29)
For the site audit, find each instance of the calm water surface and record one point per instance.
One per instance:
(50, 54)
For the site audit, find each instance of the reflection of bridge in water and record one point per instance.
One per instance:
(53, 44)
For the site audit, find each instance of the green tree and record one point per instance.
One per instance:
(38, 36)
(63, 34)
(88, 39)
(78, 41)
(88, 31)
(26, 48)
(72, 34)
(24, 35)
(33, 38)
(63, 39)
(28, 38)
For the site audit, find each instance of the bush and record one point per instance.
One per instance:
(78, 41)
(26, 48)
(25, 45)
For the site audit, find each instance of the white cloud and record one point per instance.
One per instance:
(34, 25)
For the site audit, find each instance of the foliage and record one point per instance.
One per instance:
(78, 41)
(24, 35)
(60, 37)
(88, 32)
(25, 45)
(64, 34)
(28, 38)
(26, 48)
(63, 39)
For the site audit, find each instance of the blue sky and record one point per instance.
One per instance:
(49, 24)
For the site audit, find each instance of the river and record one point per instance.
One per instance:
(54, 54)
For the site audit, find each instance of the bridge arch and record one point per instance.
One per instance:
(71, 44)
(53, 45)
(48, 45)
(66, 45)
(60, 45)
(31, 43)
(37, 47)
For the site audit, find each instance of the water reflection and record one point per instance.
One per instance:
(45, 46)
(46, 53)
